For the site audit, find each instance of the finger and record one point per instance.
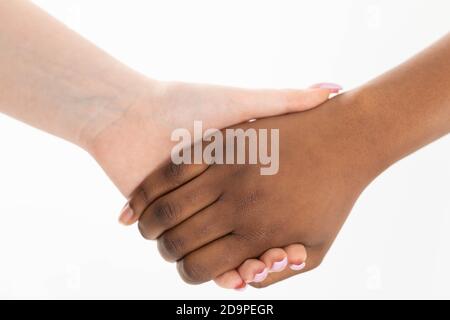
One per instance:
(275, 259)
(332, 87)
(164, 179)
(297, 256)
(230, 280)
(197, 231)
(177, 206)
(253, 270)
(315, 256)
(263, 103)
(216, 258)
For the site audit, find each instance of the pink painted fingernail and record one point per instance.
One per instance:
(241, 287)
(260, 277)
(333, 87)
(279, 265)
(126, 215)
(297, 267)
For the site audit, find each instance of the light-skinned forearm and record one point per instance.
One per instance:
(55, 80)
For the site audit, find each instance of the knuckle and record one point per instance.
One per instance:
(143, 193)
(250, 203)
(174, 171)
(237, 172)
(192, 272)
(255, 235)
(144, 230)
(170, 247)
(259, 236)
(166, 212)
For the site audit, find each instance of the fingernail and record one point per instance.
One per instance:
(333, 87)
(126, 215)
(279, 265)
(297, 267)
(241, 287)
(260, 277)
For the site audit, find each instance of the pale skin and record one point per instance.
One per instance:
(56, 81)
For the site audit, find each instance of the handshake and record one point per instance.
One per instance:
(237, 186)
(240, 206)
(213, 209)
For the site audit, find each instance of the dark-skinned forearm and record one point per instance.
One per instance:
(409, 106)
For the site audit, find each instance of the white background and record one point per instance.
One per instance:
(58, 232)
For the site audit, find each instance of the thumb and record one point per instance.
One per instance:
(264, 103)
(319, 93)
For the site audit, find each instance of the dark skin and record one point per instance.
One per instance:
(210, 219)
